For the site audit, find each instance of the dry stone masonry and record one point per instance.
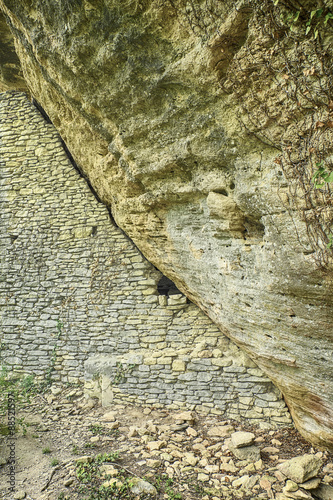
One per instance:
(79, 300)
(158, 114)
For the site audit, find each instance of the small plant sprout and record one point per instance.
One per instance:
(321, 177)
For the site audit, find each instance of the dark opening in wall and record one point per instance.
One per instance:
(167, 287)
(221, 191)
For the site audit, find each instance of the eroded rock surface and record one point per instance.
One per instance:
(11, 76)
(135, 95)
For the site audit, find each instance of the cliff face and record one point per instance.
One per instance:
(11, 76)
(133, 89)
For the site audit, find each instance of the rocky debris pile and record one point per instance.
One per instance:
(203, 457)
(229, 462)
(303, 481)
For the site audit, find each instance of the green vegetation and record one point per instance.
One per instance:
(20, 388)
(325, 176)
(121, 373)
(96, 429)
(163, 484)
(281, 78)
(96, 484)
(315, 19)
(99, 430)
(47, 382)
(93, 481)
(107, 457)
(90, 445)
(15, 389)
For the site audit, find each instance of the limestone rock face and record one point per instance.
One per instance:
(11, 76)
(134, 93)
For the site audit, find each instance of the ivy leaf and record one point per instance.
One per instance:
(325, 176)
(329, 178)
(317, 174)
(327, 17)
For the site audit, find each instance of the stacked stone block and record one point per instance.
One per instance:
(78, 300)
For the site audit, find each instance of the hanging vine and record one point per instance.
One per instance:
(282, 80)
(275, 58)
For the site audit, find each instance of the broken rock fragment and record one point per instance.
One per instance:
(301, 469)
(241, 439)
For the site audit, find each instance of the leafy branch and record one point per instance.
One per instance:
(323, 174)
(316, 19)
(48, 376)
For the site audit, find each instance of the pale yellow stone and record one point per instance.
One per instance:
(217, 353)
(111, 482)
(222, 362)
(11, 195)
(149, 291)
(109, 470)
(137, 259)
(109, 416)
(155, 445)
(40, 151)
(65, 235)
(191, 432)
(212, 469)
(25, 191)
(178, 365)
(149, 361)
(164, 360)
(82, 232)
(203, 477)
(190, 458)
(39, 190)
(154, 463)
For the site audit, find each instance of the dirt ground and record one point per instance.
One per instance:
(186, 462)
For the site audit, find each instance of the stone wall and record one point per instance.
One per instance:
(77, 298)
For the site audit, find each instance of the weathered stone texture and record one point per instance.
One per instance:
(11, 76)
(74, 286)
(134, 95)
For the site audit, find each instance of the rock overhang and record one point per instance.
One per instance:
(143, 116)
